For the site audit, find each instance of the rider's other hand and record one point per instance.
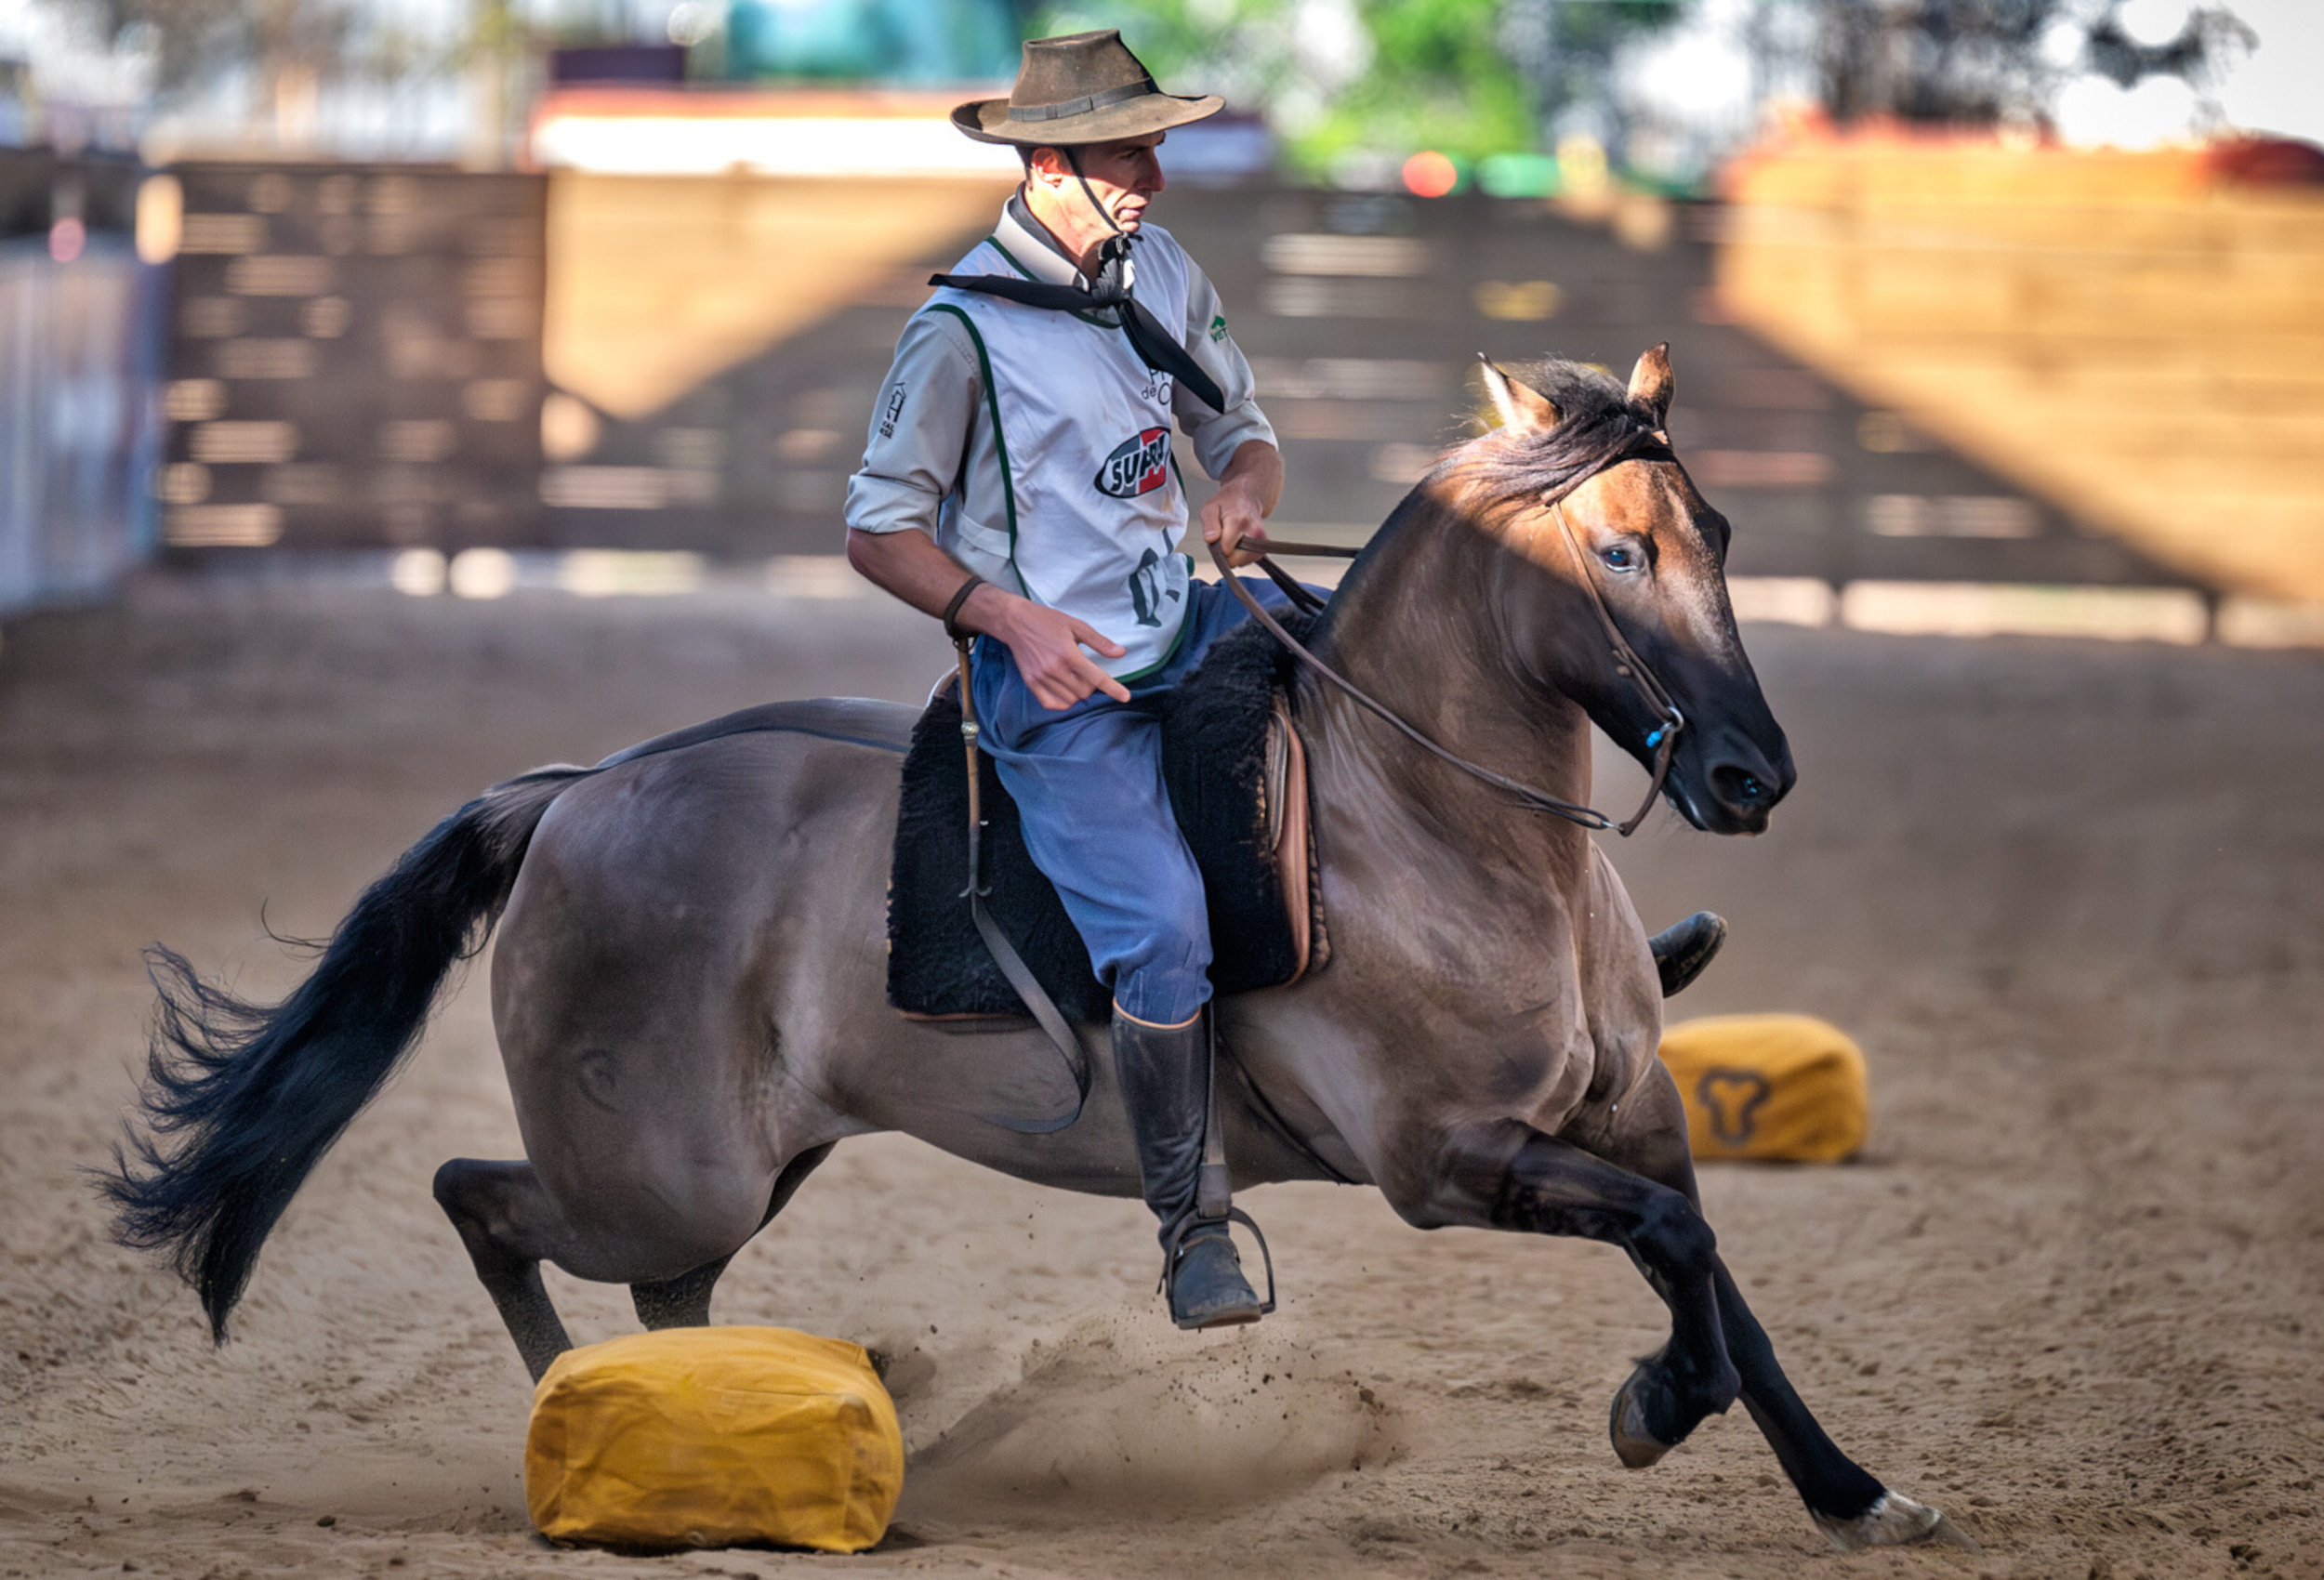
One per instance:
(1233, 520)
(1047, 644)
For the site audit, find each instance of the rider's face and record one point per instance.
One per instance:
(1124, 174)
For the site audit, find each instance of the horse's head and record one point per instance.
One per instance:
(1579, 483)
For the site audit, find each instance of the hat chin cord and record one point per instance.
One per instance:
(1116, 247)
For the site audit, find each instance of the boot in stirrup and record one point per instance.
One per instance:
(1165, 1076)
(1683, 949)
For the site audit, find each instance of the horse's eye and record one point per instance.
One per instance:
(1621, 556)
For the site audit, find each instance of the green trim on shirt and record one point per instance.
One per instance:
(1000, 442)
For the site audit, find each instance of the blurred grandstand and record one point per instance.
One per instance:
(416, 281)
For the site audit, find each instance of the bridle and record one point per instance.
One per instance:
(1662, 742)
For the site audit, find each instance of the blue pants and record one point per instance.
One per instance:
(1088, 779)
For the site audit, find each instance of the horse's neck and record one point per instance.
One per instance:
(1416, 628)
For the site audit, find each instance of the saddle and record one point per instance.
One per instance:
(1237, 780)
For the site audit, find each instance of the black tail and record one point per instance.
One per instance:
(241, 1099)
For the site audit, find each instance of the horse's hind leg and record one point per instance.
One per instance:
(684, 1301)
(509, 1225)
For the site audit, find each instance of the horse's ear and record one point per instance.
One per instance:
(1652, 384)
(1522, 408)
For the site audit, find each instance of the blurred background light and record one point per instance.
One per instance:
(1431, 175)
(417, 572)
(482, 573)
(2092, 111)
(2154, 22)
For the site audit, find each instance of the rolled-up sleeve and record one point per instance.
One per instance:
(1217, 435)
(919, 429)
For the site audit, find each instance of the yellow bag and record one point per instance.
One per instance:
(1784, 1087)
(703, 1437)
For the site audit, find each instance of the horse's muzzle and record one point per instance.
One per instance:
(1739, 788)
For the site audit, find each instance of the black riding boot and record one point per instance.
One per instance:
(1682, 950)
(1165, 1075)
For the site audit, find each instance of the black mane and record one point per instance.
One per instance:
(1596, 423)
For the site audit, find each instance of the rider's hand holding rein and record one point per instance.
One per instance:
(1234, 518)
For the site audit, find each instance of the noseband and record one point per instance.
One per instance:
(1663, 741)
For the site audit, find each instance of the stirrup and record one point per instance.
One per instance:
(1166, 1285)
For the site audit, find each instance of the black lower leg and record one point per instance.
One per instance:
(1552, 1187)
(1828, 1482)
(532, 1318)
(503, 1218)
(683, 1302)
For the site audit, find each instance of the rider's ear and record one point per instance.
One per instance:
(1522, 408)
(1652, 383)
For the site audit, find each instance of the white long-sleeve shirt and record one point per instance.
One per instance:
(1033, 445)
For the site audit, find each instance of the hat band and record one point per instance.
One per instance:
(1082, 106)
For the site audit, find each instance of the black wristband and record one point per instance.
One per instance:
(952, 610)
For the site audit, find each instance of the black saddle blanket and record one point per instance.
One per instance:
(1215, 762)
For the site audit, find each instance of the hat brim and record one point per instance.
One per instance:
(988, 120)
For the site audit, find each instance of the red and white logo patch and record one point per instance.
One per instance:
(1139, 464)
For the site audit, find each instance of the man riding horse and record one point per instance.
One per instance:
(1018, 484)
(688, 978)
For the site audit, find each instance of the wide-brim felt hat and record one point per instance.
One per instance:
(1081, 87)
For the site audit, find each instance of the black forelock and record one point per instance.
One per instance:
(1596, 424)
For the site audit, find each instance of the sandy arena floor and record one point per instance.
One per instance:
(2064, 894)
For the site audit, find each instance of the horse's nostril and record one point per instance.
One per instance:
(1741, 787)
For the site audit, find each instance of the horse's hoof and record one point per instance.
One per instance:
(1895, 1520)
(1633, 1444)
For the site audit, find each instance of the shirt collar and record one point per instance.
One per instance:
(1032, 248)
(1029, 244)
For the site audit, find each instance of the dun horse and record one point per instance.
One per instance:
(689, 984)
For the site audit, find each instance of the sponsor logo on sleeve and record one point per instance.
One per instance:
(891, 411)
(1139, 464)
(1218, 327)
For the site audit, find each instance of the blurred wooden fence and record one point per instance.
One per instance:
(2130, 335)
(354, 357)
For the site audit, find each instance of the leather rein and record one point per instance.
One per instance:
(1663, 740)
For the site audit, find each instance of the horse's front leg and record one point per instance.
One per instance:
(1647, 1134)
(1511, 1176)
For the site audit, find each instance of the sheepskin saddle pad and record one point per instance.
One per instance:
(1237, 782)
